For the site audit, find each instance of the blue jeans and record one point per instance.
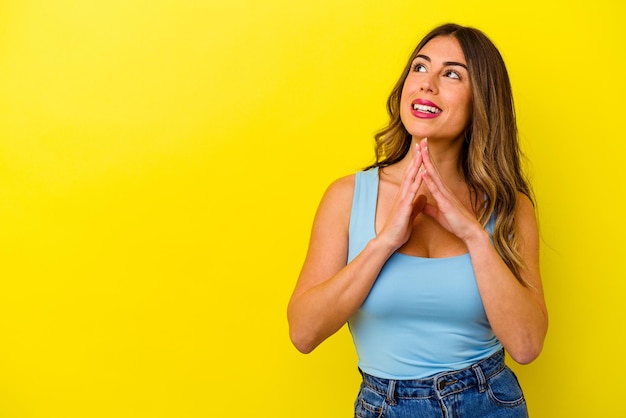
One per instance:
(486, 389)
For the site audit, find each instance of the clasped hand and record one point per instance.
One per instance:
(446, 209)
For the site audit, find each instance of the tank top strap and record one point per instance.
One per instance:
(363, 213)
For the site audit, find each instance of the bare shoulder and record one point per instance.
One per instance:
(338, 196)
(525, 213)
(342, 188)
(524, 202)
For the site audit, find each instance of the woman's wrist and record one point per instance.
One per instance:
(478, 237)
(379, 245)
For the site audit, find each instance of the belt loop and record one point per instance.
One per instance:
(482, 382)
(391, 389)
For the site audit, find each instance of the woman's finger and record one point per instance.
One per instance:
(431, 168)
(410, 181)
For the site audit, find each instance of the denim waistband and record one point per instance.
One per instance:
(441, 384)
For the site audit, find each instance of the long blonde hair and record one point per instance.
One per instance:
(491, 154)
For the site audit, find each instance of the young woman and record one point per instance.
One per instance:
(431, 255)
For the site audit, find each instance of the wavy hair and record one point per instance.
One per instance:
(490, 160)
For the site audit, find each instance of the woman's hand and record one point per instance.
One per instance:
(329, 290)
(408, 204)
(449, 211)
(516, 312)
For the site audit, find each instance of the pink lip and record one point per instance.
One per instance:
(424, 115)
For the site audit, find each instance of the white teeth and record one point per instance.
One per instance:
(423, 108)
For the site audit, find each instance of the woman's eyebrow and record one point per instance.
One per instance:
(446, 63)
(460, 64)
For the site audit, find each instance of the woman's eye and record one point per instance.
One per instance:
(420, 68)
(453, 74)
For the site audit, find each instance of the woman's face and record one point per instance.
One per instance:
(436, 100)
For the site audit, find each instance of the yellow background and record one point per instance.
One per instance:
(161, 162)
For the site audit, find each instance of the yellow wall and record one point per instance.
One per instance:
(161, 161)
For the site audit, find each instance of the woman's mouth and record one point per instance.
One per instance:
(425, 109)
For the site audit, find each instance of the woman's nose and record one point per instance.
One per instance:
(429, 83)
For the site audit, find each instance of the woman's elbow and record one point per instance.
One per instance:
(525, 357)
(526, 353)
(302, 342)
(529, 344)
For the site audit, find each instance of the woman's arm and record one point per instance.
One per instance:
(516, 312)
(329, 291)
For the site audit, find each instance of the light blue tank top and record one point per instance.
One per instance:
(423, 316)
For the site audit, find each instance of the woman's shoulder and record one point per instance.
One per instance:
(525, 205)
(333, 213)
(340, 193)
(341, 190)
(525, 213)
